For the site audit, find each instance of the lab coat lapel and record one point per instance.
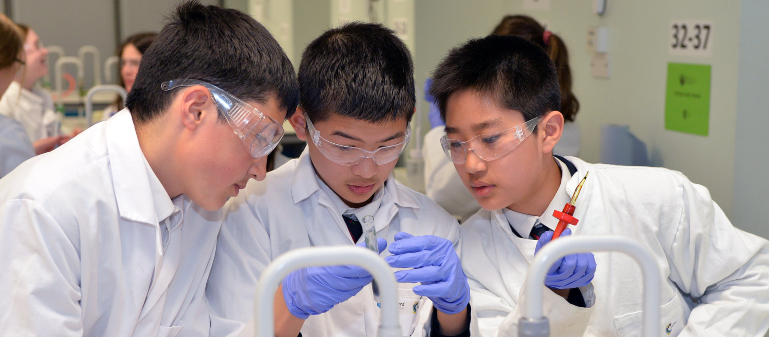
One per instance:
(516, 255)
(304, 190)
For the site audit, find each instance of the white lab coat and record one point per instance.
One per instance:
(443, 185)
(15, 147)
(92, 245)
(33, 109)
(702, 257)
(289, 210)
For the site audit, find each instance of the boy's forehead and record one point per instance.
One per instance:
(474, 111)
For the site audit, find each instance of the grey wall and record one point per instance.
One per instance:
(751, 150)
(74, 23)
(71, 24)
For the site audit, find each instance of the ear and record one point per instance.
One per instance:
(551, 128)
(196, 107)
(299, 123)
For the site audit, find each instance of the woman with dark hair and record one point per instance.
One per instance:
(442, 183)
(526, 27)
(130, 53)
(15, 147)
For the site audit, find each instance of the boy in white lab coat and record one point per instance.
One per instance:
(357, 97)
(492, 92)
(113, 233)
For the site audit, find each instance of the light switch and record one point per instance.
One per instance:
(602, 40)
(599, 65)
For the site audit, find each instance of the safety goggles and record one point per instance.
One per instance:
(489, 146)
(351, 155)
(260, 133)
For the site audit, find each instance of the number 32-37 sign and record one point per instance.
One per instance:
(691, 37)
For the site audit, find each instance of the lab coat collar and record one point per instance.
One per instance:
(523, 223)
(140, 195)
(305, 184)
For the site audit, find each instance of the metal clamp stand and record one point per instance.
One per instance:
(93, 91)
(534, 324)
(323, 256)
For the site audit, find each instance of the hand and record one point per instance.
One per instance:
(435, 265)
(315, 290)
(47, 144)
(435, 113)
(572, 271)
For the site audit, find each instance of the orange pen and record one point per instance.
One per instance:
(565, 217)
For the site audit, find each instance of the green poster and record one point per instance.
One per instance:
(687, 98)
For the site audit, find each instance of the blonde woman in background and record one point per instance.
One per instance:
(15, 148)
(30, 105)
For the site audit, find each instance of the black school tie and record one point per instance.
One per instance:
(538, 230)
(353, 225)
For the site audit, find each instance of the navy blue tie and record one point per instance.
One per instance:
(353, 225)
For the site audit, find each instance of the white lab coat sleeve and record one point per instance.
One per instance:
(15, 147)
(493, 317)
(242, 254)
(39, 282)
(721, 267)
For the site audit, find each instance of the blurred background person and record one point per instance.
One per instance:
(15, 147)
(26, 102)
(130, 53)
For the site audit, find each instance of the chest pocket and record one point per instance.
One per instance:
(671, 316)
(169, 331)
(409, 305)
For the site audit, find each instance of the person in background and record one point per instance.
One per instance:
(130, 53)
(27, 103)
(441, 181)
(15, 147)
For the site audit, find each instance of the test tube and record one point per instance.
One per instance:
(369, 230)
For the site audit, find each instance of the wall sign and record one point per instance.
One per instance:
(691, 37)
(687, 98)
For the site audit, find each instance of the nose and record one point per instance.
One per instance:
(258, 169)
(473, 163)
(366, 168)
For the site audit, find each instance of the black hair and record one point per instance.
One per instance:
(358, 70)
(516, 73)
(224, 47)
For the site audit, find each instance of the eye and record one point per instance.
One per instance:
(490, 140)
(345, 148)
(455, 144)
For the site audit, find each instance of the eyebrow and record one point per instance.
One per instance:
(342, 134)
(477, 127)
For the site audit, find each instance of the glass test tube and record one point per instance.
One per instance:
(369, 232)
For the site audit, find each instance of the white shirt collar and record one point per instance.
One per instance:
(140, 195)
(523, 223)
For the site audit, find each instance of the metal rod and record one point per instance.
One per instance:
(99, 88)
(320, 256)
(553, 251)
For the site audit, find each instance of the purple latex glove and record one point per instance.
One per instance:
(435, 113)
(435, 265)
(572, 271)
(315, 290)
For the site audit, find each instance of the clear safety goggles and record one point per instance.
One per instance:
(351, 155)
(260, 133)
(488, 146)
